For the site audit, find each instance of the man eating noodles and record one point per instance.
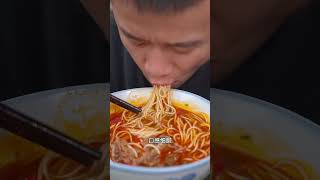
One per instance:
(160, 42)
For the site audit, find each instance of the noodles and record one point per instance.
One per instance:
(241, 166)
(54, 167)
(161, 135)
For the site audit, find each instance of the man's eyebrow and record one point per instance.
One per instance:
(187, 44)
(129, 35)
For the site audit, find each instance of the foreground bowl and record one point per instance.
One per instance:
(279, 132)
(71, 105)
(196, 170)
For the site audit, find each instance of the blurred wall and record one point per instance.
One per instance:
(46, 44)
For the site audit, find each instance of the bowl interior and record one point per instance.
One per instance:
(78, 111)
(279, 132)
(197, 102)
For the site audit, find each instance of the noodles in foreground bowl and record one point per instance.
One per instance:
(237, 164)
(48, 165)
(161, 135)
(55, 167)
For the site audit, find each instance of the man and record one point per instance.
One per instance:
(160, 42)
(269, 50)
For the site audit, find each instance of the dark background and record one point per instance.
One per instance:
(285, 70)
(47, 44)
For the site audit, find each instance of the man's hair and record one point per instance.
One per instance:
(161, 6)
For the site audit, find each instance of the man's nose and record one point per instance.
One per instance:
(157, 65)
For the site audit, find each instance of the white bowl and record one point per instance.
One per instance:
(55, 107)
(196, 170)
(280, 132)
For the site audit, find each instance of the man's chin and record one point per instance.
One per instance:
(176, 84)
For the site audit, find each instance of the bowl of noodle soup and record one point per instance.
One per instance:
(79, 112)
(168, 140)
(255, 140)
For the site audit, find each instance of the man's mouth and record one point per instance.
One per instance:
(164, 83)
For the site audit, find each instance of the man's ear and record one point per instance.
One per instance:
(100, 11)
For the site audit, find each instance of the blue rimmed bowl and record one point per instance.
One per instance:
(192, 171)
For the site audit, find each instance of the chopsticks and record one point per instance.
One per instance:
(124, 104)
(39, 133)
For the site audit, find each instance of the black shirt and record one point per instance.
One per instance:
(285, 71)
(125, 74)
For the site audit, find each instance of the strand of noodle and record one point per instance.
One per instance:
(294, 165)
(202, 143)
(188, 136)
(153, 146)
(256, 171)
(203, 152)
(197, 119)
(271, 170)
(195, 140)
(175, 137)
(195, 157)
(193, 127)
(133, 150)
(171, 110)
(137, 145)
(255, 175)
(172, 129)
(43, 167)
(205, 125)
(70, 174)
(237, 176)
(136, 132)
(113, 135)
(124, 132)
(188, 159)
(169, 123)
(187, 121)
(183, 134)
(179, 126)
(62, 169)
(195, 148)
(95, 166)
(192, 117)
(205, 135)
(205, 117)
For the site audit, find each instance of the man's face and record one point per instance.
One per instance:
(168, 48)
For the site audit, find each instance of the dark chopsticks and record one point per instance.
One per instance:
(124, 104)
(41, 134)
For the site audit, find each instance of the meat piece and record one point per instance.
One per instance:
(122, 153)
(149, 158)
(171, 159)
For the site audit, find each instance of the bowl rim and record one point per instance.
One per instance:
(174, 90)
(50, 92)
(267, 105)
(161, 170)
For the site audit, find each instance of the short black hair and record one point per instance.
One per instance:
(161, 6)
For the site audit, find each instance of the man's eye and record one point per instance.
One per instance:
(183, 50)
(139, 43)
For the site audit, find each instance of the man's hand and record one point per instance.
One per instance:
(100, 11)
